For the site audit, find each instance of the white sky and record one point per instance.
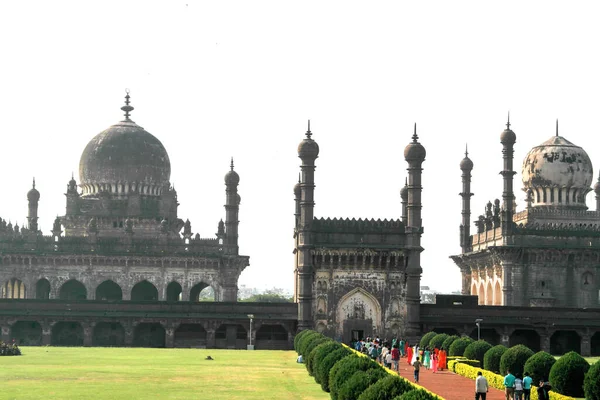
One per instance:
(218, 79)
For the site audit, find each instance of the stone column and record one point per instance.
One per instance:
(88, 331)
(5, 329)
(46, 334)
(210, 339)
(586, 344)
(169, 337)
(231, 335)
(128, 340)
(545, 341)
(507, 289)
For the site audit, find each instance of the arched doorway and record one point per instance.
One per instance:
(42, 289)
(229, 336)
(149, 335)
(272, 337)
(481, 299)
(562, 342)
(527, 337)
(72, 290)
(13, 289)
(144, 291)
(27, 333)
(497, 294)
(109, 290)
(358, 313)
(202, 292)
(190, 335)
(108, 334)
(67, 334)
(174, 291)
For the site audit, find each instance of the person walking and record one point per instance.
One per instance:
(509, 385)
(417, 366)
(543, 390)
(518, 387)
(395, 358)
(527, 386)
(426, 358)
(434, 361)
(481, 386)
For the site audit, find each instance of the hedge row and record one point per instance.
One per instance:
(347, 374)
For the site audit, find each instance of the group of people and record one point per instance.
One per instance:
(515, 387)
(7, 349)
(389, 353)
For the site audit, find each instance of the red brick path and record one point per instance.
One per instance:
(447, 384)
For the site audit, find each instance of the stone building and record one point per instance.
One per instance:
(546, 255)
(121, 241)
(356, 278)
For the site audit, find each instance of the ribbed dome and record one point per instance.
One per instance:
(559, 173)
(124, 154)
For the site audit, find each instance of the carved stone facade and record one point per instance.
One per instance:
(354, 277)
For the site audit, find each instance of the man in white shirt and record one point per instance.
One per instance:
(481, 387)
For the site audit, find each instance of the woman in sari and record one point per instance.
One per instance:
(442, 360)
(409, 355)
(434, 360)
(426, 358)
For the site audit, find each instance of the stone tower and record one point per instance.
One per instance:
(33, 197)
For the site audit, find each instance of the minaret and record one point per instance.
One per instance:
(466, 166)
(508, 139)
(308, 151)
(232, 206)
(414, 154)
(297, 196)
(33, 197)
(404, 200)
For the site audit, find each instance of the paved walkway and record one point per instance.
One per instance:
(447, 384)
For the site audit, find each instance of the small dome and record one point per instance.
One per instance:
(124, 153)
(558, 166)
(33, 195)
(404, 192)
(597, 188)
(508, 136)
(415, 150)
(232, 178)
(297, 190)
(466, 164)
(308, 148)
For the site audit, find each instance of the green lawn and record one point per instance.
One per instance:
(124, 373)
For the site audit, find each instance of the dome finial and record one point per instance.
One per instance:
(127, 108)
(232, 163)
(557, 127)
(308, 132)
(34, 182)
(415, 137)
(466, 150)
(508, 121)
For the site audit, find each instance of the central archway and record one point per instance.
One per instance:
(72, 290)
(109, 290)
(358, 310)
(190, 335)
(272, 337)
(108, 334)
(27, 333)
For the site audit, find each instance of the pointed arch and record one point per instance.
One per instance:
(359, 305)
(497, 294)
(144, 291)
(72, 290)
(489, 294)
(174, 291)
(13, 289)
(109, 290)
(42, 289)
(481, 295)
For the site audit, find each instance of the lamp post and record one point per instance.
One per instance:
(250, 346)
(478, 322)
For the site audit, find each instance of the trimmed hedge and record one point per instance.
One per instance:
(458, 346)
(448, 342)
(437, 340)
(568, 373)
(308, 359)
(591, 383)
(491, 359)
(324, 367)
(318, 356)
(298, 337)
(360, 381)
(538, 366)
(476, 350)
(344, 369)
(305, 341)
(426, 339)
(386, 388)
(514, 359)
(417, 394)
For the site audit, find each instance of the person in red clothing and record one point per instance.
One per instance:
(409, 354)
(395, 358)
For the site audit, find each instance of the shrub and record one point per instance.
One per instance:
(491, 359)
(324, 367)
(344, 369)
(437, 340)
(514, 359)
(567, 374)
(386, 388)
(318, 355)
(299, 336)
(458, 346)
(305, 340)
(426, 339)
(538, 366)
(591, 383)
(448, 342)
(417, 394)
(360, 381)
(476, 350)
(308, 358)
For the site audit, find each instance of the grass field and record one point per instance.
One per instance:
(125, 373)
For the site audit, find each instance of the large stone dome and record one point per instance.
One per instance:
(124, 158)
(558, 172)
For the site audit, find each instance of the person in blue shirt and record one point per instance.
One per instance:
(509, 386)
(527, 386)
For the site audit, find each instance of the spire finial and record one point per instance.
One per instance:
(508, 121)
(299, 177)
(127, 108)
(232, 163)
(34, 182)
(466, 150)
(556, 126)
(308, 132)
(415, 136)
(405, 181)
